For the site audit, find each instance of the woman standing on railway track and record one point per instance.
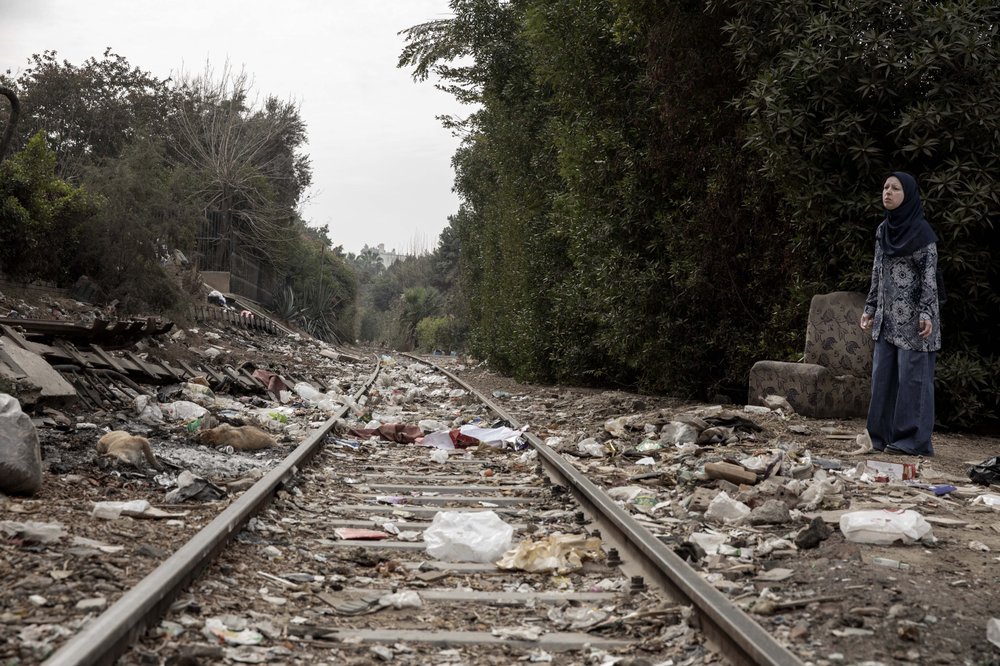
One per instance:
(902, 313)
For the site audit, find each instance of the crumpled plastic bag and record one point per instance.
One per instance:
(147, 410)
(216, 629)
(884, 526)
(32, 532)
(591, 447)
(468, 536)
(725, 509)
(182, 410)
(639, 497)
(20, 453)
(399, 600)
(986, 472)
(561, 553)
(192, 486)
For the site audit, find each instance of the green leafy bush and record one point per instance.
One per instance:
(439, 333)
(41, 217)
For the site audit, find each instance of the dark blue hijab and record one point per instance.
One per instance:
(905, 229)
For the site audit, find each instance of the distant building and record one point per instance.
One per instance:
(387, 258)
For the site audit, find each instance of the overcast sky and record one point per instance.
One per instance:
(380, 158)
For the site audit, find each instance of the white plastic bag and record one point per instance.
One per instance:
(473, 536)
(678, 433)
(399, 600)
(591, 447)
(147, 409)
(993, 631)
(439, 455)
(112, 510)
(182, 410)
(440, 440)
(307, 392)
(20, 453)
(884, 526)
(725, 509)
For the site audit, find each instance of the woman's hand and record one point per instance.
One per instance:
(866, 321)
(926, 328)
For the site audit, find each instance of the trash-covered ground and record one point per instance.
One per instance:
(383, 551)
(98, 524)
(739, 493)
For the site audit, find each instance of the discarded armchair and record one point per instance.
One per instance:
(835, 379)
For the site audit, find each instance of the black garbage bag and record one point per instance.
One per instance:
(986, 472)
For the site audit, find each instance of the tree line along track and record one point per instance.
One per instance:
(270, 562)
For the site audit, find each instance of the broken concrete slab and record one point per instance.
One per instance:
(19, 365)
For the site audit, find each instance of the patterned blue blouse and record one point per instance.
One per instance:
(903, 293)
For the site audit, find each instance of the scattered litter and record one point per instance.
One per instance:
(577, 618)
(131, 509)
(888, 471)
(987, 499)
(216, 628)
(518, 633)
(31, 532)
(730, 472)
(560, 553)
(993, 631)
(192, 486)
(97, 545)
(182, 410)
(591, 447)
(725, 509)
(353, 533)
(884, 526)
(456, 536)
(642, 499)
(986, 473)
(20, 454)
(399, 600)
(890, 563)
(775, 575)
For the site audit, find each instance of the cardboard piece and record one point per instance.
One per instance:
(730, 472)
(890, 471)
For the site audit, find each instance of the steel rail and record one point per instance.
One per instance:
(737, 637)
(110, 634)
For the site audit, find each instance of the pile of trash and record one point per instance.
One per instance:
(706, 481)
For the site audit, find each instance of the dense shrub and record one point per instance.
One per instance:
(41, 217)
(653, 191)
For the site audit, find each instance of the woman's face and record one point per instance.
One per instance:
(892, 193)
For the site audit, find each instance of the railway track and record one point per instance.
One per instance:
(281, 577)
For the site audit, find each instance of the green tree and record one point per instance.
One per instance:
(439, 333)
(246, 157)
(41, 217)
(320, 286)
(146, 213)
(87, 113)
(417, 304)
(612, 228)
(842, 93)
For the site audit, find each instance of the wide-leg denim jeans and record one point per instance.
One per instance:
(901, 413)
